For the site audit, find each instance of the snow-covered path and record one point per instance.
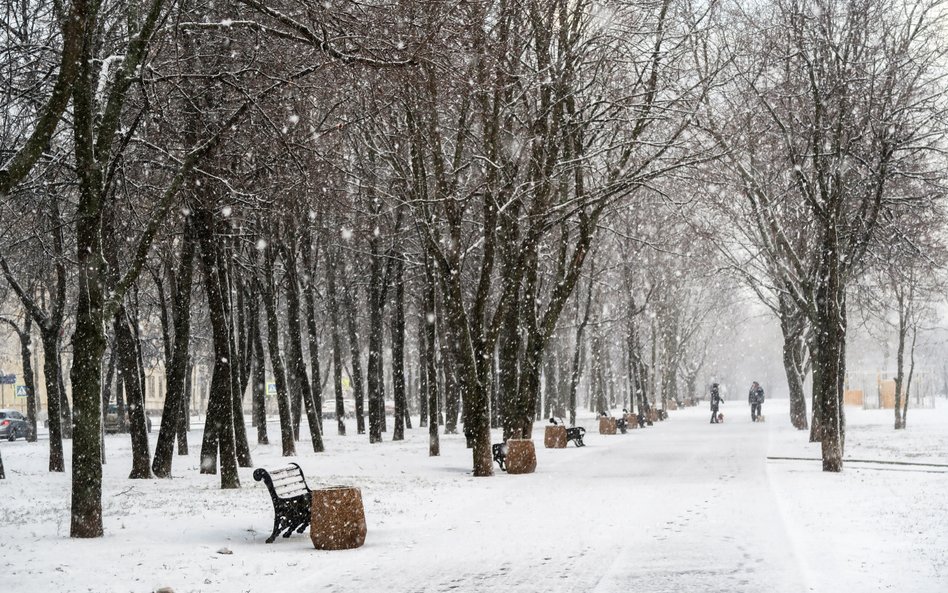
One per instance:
(681, 506)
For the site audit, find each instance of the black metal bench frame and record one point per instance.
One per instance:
(621, 423)
(500, 455)
(291, 496)
(573, 433)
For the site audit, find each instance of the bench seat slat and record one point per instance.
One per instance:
(291, 492)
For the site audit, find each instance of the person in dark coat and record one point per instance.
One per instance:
(756, 399)
(716, 400)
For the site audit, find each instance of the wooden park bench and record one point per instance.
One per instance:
(573, 433)
(500, 455)
(292, 499)
(621, 424)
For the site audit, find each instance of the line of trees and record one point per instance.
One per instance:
(498, 186)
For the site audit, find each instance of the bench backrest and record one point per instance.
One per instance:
(283, 483)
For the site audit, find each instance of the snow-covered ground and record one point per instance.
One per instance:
(682, 506)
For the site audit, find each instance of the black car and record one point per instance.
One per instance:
(13, 425)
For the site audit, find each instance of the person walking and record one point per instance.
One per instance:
(716, 400)
(755, 398)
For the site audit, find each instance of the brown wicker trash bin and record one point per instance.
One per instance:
(631, 421)
(521, 456)
(607, 425)
(338, 521)
(554, 437)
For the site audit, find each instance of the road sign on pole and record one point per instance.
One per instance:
(22, 391)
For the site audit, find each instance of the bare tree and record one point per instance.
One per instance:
(844, 110)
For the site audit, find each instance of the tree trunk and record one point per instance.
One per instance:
(791, 326)
(509, 379)
(355, 352)
(126, 349)
(434, 442)
(495, 421)
(292, 385)
(336, 343)
(235, 336)
(816, 432)
(312, 333)
(423, 369)
(829, 327)
(177, 373)
(908, 382)
(398, 350)
(373, 371)
(276, 360)
(26, 355)
(551, 382)
(576, 368)
(50, 341)
(595, 371)
(900, 361)
(65, 410)
(296, 364)
(219, 422)
(184, 412)
(452, 387)
(259, 375)
(88, 339)
(523, 419)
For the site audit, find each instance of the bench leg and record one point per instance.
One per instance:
(276, 530)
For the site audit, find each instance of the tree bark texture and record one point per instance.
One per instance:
(334, 323)
(312, 332)
(398, 349)
(355, 352)
(269, 294)
(175, 404)
(219, 423)
(434, 442)
(296, 364)
(127, 349)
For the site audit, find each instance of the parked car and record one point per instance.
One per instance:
(112, 420)
(13, 425)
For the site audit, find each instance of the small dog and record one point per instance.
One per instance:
(720, 416)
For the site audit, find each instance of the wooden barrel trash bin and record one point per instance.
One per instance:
(631, 421)
(607, 425)
(338, 521)
(521, 456)
(554, 437)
